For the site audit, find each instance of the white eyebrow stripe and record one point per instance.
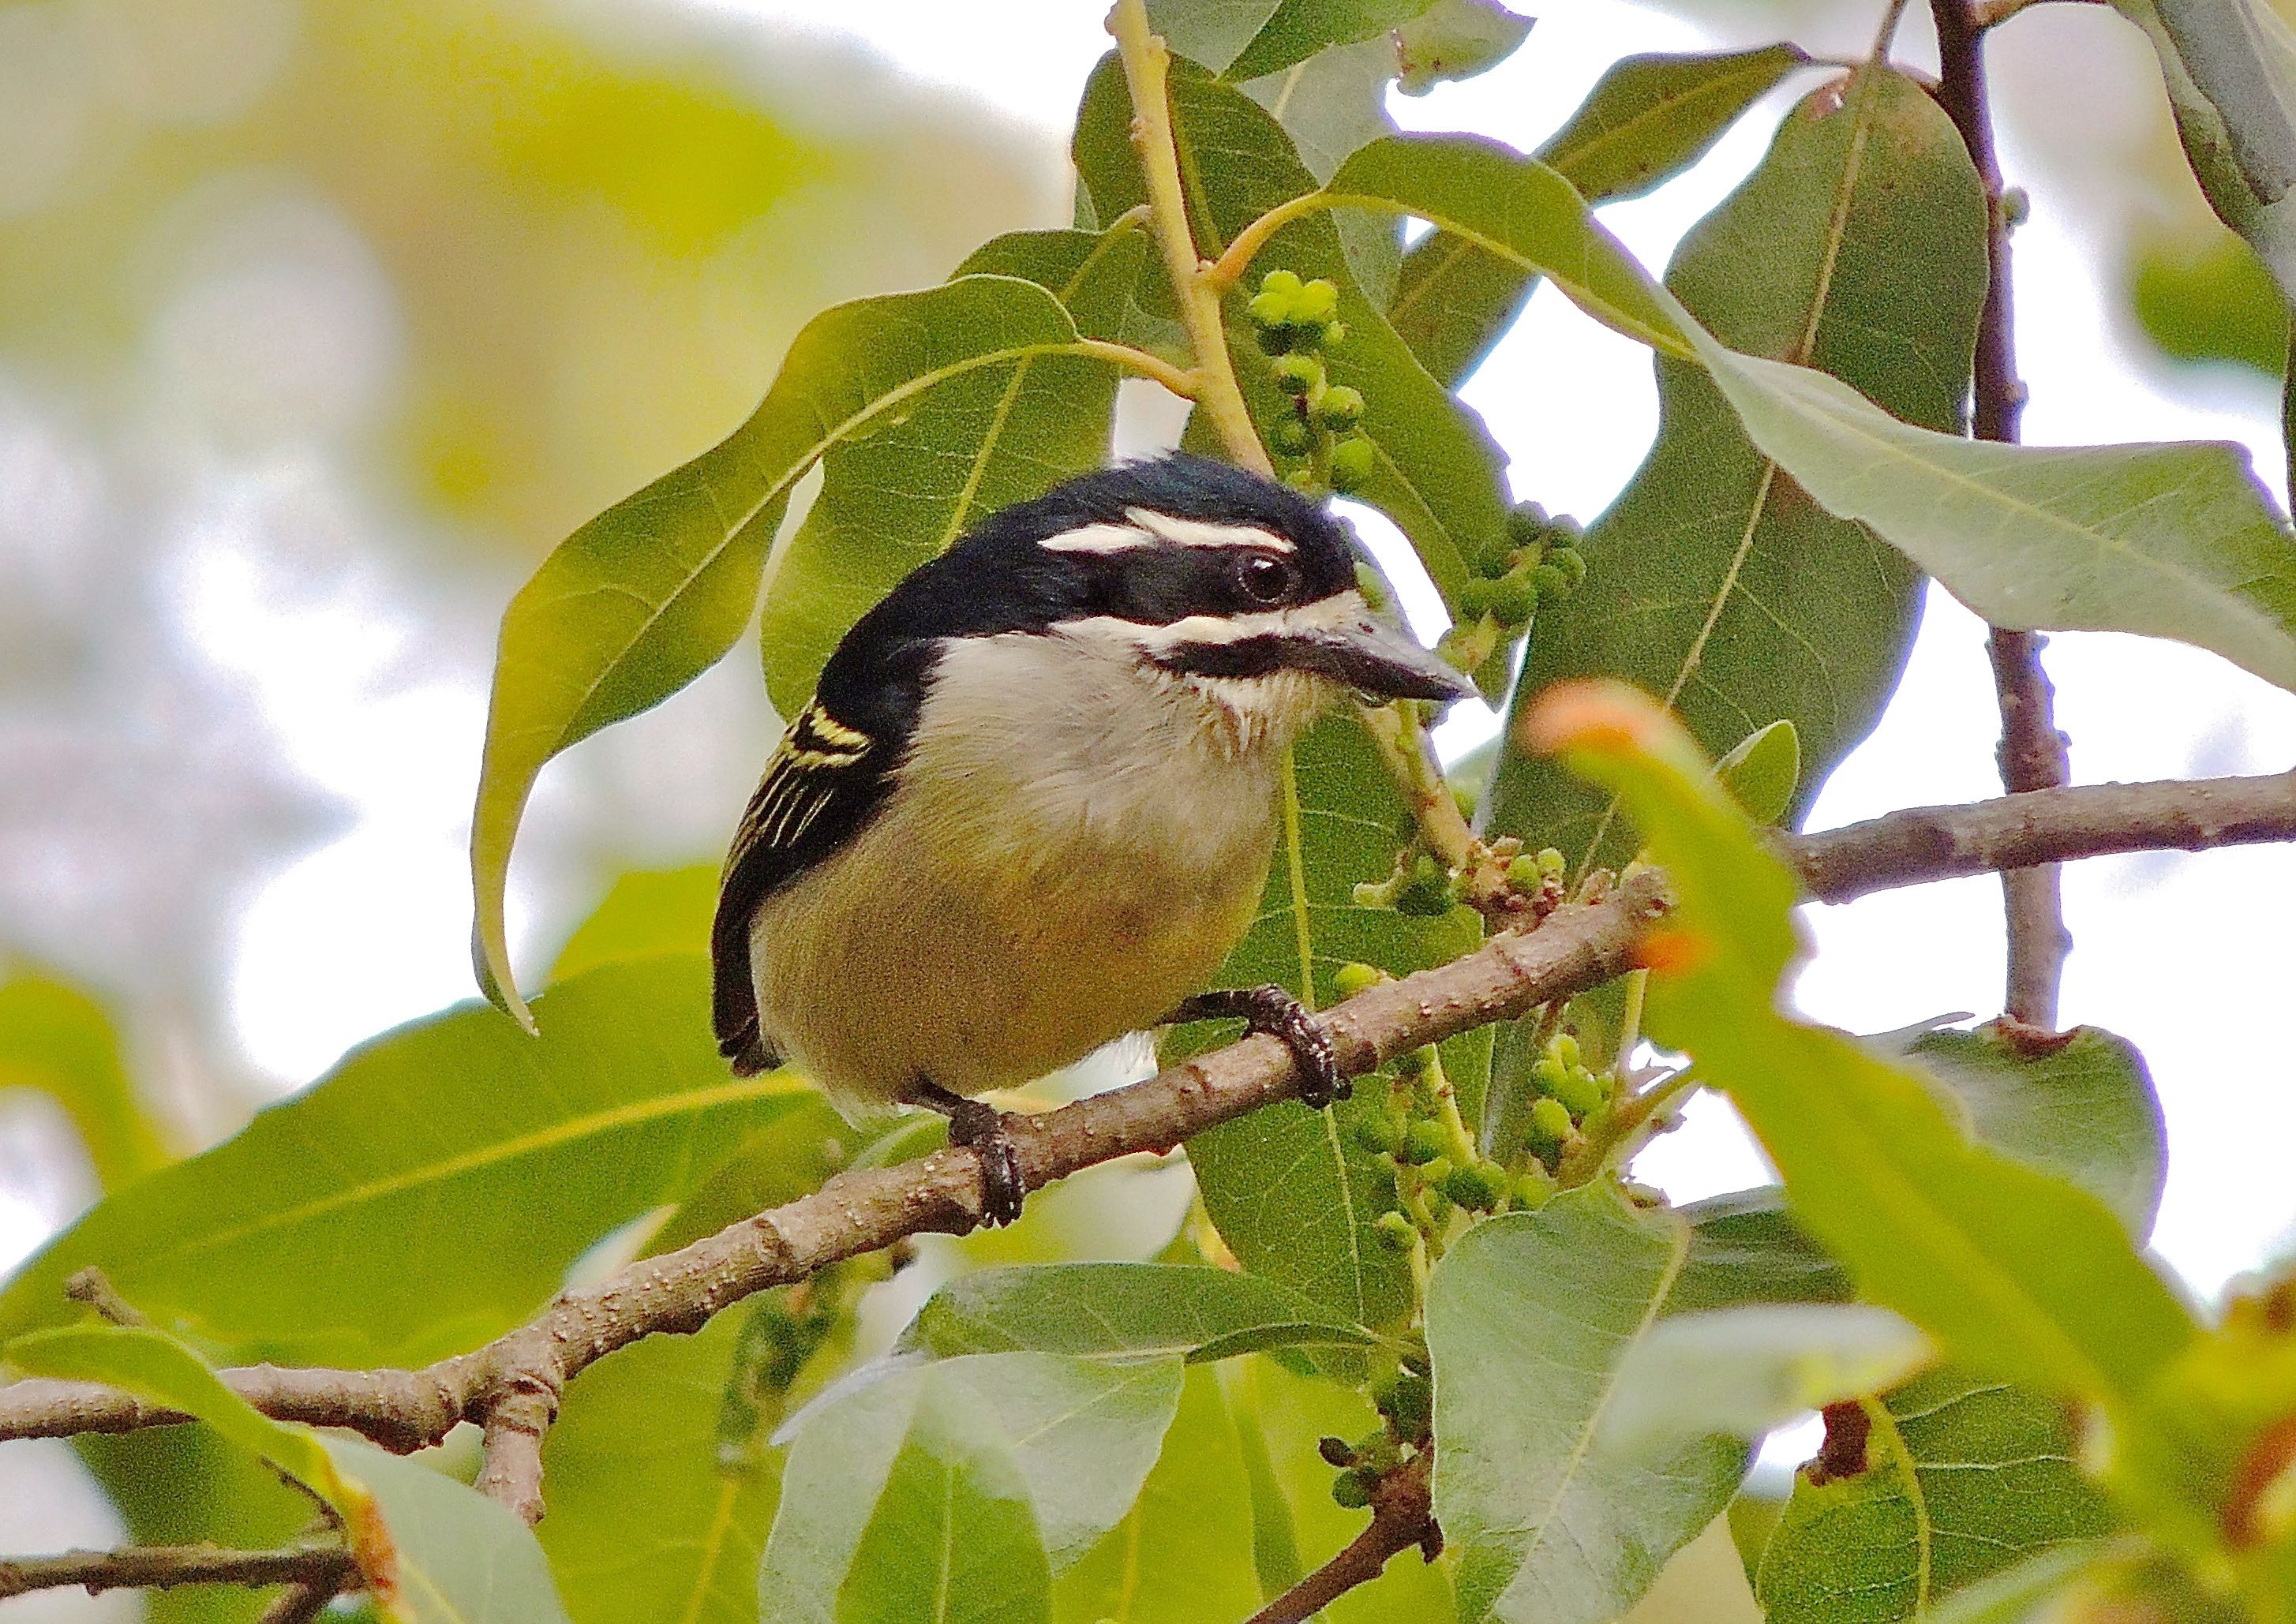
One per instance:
(1207, 532)
(1098, 538)
(1336, 612)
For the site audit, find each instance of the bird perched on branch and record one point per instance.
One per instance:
(1032, 804)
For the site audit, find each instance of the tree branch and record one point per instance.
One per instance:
(511, 1385)
(1402, 1515)
(164, 1566)
(2032, 751)
(1923, 844)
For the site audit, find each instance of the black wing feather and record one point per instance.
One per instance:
(824, 782)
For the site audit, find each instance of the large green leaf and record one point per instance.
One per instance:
(1032, 1455)
(1648, 119)
(656, 1512)
(1121, 1309)
(1437, 471)
(1549, 1528)
(2020, 1275)
(56, 1040)
(1857, 247)
(645, 914)
(1331, 104)
(2173, 541)
(1746, 1248)
(999, 434)
(2084, 1111)
(1183, 1555)
(647, 595)
(1964, 1478)
(1297, 30)
(1291, 1189)
(462, 1559)
(2230, 67)
(431, 1191)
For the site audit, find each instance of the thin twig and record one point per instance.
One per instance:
(1402, 1515)
(156, 1567)
(1147, 70)
(1887, 32)
(298, 1603)
(92, 1286)
(2032, 751)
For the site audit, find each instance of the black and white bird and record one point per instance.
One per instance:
(1031, 806)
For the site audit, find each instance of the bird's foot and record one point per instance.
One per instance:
(981, 1127)
(1277, 1012)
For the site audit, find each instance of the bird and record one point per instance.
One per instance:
(1031, 805)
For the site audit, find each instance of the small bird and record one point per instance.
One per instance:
(1031, 805)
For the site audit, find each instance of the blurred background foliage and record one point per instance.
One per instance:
(321, 321)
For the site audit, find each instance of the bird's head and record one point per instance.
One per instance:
(1196, 573)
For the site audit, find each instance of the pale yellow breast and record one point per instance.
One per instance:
(1055, 881)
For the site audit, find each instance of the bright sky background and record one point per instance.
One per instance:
(2190, 957)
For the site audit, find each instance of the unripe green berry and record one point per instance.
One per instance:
(1336, 1451)
(1352, 978)
(1526, 524)
(2016, 207)
(1380, 1134)
(1352, 1490)
(1533, 1190)
(1353, 460)
(1339, 408)
(1395, 1231)
(1423, 1142)
(1513, 600)
(1303, 480)
(1572, 563)
(1550, 1121)
(1579, 1089)
(1287, 435)
(1524, 873)
(1297, 374)
(1479, 1184)
(1269, 310)
(1565, 1047)
(1316, 302)
(1550, 581)
(1551, 862)
(1284, 285)
(1426, 892)
(1409, 1402)
(1333, 335)
(1435, 1173)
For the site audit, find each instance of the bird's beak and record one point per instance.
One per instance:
(1378, 661)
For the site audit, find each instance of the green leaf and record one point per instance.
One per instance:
(1438, 472)
(1183, 1555)
(1744, 1371)
(1291, 1189)
(1210, 33)
(56, 1040)
(1124, 1309)
(646, 914)
(1455, 39)
(999, 434)
(1761, 770)
(1546, 1527)
(1964, 1479)
(2230, 67)
(462, 1559)
(1298, 29)
(431, 1191)
(2016, 1595)
(1044, 1453)
(2086, 1112)
(1746, 1248)
(1329, 106)
(789, 1154)
(157, 1368)
(1857, 247)
(1111, 282)
(2209, 297)
(653, 1515)
(1649, 119)
(2015, 1273)
(650, 594)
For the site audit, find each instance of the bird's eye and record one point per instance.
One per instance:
(1264, 579)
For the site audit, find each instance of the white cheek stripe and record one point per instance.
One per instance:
(1098, 538)
(1206, 532)
(1327, 614)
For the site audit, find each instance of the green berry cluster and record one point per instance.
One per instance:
(1540, 559)
(1296, 322)
(1437, 1167)
(1405, 1399)
(1567, 1090)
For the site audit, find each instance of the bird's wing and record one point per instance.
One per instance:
(824, 781)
